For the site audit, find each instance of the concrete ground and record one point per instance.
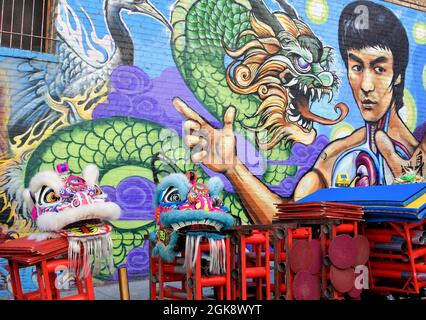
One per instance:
(139, 290)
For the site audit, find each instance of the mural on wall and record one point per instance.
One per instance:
(316, 102)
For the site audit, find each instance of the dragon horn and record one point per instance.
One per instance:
(261, 12)
(289, 9)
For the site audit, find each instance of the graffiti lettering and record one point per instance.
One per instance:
(417, 167)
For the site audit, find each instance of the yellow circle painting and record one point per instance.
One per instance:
(317, 11)
(419, 32)
(410, 110)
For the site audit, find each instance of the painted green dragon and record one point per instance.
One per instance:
(271, 67)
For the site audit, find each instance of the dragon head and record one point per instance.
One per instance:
(288, 67)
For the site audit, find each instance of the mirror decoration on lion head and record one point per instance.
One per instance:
(74, 207)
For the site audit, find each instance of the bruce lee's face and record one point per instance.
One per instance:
(370, 73)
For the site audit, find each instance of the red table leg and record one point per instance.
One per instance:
(47, 285)
(16, 279)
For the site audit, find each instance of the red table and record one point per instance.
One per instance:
(43, 255)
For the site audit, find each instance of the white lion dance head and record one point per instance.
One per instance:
(74, 207)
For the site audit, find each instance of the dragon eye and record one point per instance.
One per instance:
(171, 194)
(302, 64)
(47, 196)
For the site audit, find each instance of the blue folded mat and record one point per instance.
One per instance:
(394, 216)
(380, 203)
(393, 195)
(394, 210)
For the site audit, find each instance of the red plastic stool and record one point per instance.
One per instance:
(221, 283)
(15, 279)
(84, 283)
(281, 233)
(329, 232)
(17, 262)
(259, 272)
(46, 278)
(161, 274)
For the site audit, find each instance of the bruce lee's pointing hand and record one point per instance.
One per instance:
(215, 148)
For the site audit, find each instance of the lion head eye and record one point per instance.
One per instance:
(171, 194)
(47, 196)
(98, 190)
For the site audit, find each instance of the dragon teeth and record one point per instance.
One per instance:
(319, 92)
(331, 96)
(306, 124)
(294, 118)
(218, 226)
(176, 226)
(292, 111)
(291, 83)
(291, 96)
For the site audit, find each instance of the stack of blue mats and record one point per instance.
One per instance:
(401, 202)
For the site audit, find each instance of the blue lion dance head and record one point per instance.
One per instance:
(189, 210)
